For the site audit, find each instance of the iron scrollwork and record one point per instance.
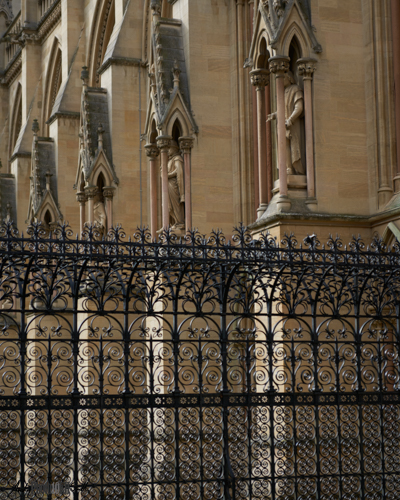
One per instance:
(198, 367)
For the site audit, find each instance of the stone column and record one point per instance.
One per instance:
(396, 70)
(108, 193)
(163, 143)
(279, 65)
(81, 198)
(260, 78)
(306, 68)
(270, 183)
(186, 144)
(152, 153)
(91, 192)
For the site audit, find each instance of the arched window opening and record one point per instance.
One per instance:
(47, 219)
(295, 55)
(294, 102)
(153, 133)
(100, 185)
(53, 85)
(101, 35)
(176, 131)
(82, 184)
(262, 61)
(99, 209)
(108, 32)
(16, 121)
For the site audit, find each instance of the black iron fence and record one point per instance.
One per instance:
(198, 369)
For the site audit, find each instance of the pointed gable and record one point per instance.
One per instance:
(44, 192)
(169, 77)
(95, 136)
(278, 15)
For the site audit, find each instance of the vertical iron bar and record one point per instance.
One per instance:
(176, 391)
(126, 391)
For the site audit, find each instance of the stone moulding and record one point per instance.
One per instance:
(49, 21)
(120, 61)
(72, 115)
(12, 70)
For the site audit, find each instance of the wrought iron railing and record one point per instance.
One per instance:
(198, 368)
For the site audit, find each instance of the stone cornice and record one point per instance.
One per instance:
(49, 21)
(12, 70)
(72, 115)
(21, 154)
(322, 219)
(120, 61)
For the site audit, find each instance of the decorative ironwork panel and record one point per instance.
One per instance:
(198, 368)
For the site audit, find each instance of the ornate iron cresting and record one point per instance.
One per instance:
(198, 369)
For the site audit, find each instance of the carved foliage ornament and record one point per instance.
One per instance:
(156, 7)
(152, 150)
(186, 144)
(259, 77)
(279, 65)
(306, 68)
(280, 6)
(164, 142)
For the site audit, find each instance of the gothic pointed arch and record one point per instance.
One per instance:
(53, 83)
(102, 28)
(294, 36)
(16, 121)
(391, 234)
(282, 20)
(6, 12)
(262, 55)
(178, 119)
(295, 53)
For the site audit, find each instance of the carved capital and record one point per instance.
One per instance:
(279, 65)
(152, 150)
(81, 197)
(306, 67)
(90, 192)
(186, 144)
(259, 78)
(164, 142)
(108, 192)
(156, 7)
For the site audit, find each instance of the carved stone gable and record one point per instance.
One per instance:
(43, 192)
(6, 7)
(276, 14)
(95, 137)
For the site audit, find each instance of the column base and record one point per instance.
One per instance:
(312, 204)
(384, 195)
(396, 182)
(283, 203)
(261, 210)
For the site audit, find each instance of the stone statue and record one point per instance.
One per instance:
(99, 214)
(176, 190)
(294, 106)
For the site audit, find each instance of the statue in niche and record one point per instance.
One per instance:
(99, 214)
(294, 107)
(176, 190)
